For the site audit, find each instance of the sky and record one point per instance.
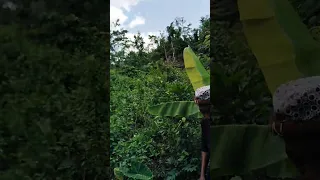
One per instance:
(149, 17)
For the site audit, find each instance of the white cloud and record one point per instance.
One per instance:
(124, 4)
(119, 10)
(117, 13)
(138, 20)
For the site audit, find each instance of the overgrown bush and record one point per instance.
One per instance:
(169, 146)
(53, 111)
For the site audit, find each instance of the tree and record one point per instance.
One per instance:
(54, 92)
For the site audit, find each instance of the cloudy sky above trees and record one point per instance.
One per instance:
(149, 17)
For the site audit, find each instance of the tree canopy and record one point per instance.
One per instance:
(54, 95)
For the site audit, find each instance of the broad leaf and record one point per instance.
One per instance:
(269, 42)
(176, 108)
(307, 50)
(137, 171)
(197, 74)
(242, 149)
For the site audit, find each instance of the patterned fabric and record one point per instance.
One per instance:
(298, 100)
(203, 93)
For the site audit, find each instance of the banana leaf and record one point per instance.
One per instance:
(243, 149)
(176, 108)
(307, 50)
(197, 74)
(269, 42)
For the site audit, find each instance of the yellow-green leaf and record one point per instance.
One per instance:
(269, 42)
(307, 50)
(196, 72)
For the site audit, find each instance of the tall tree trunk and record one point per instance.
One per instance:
(165, 53)
(174, 58)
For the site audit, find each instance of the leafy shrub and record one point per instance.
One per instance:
(53, 111)
(169, 146)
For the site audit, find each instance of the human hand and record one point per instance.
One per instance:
(196, 100)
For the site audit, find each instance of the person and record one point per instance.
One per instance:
(296, 118)
(202, 99)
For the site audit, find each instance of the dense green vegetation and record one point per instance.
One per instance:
(239, 92)
(236, 78)
(54, 109)
(54, 90)
(243, 87)
(169, 147)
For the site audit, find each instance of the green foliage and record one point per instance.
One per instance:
(142, 77)
(241, 95)
(54, 107)
(198, 76)
(172, 109)
(239, 85)
(138, 136)
(243, 149)
(306, 48)
(136, 171)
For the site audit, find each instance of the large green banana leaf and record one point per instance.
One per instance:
(283, 46)
(242, 149)
(269, 41)
(197, 74)
(307, 50)
(176, 108)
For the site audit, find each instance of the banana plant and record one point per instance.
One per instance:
(230, 152)
(285, 50)
(282, 44)
(198, 76)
